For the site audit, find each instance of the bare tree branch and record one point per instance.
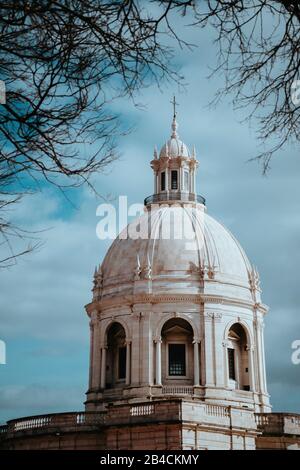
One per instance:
(63, 63)
(259, 57)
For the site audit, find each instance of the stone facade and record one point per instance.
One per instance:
(185, 281)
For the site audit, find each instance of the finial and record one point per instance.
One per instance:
(155, 152)
(174, 103)
(174, 122)
(99, 273)
(98, 282)
(194, 152)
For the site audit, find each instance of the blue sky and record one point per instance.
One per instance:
(42, 317)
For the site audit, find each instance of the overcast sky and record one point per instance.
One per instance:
(43, 320)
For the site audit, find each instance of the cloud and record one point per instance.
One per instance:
(33, 399)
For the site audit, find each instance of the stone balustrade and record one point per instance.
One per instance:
(217, 410)
(177, 390)
(278, 423)
(142, 410)
(171, 410)
(57, 421)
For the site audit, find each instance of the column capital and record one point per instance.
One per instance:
(258, 323)
(157, 339)
(94, 315)
(93, 323)
(209, 316)
(196, 340)
(137, 315)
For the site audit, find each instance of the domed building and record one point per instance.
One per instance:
(176, 309)
(177, 336)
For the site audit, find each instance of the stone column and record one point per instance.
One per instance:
(218, 331)
(167, 179)
(155, 182)
(96, 355)
(103, 367)
(180, 180)
(263, 356)
(158, 362)
(136, 352)
(209, 349)
(251, 368)
(128, 362)
(146, 347)
(91, 353)
(225, 359)
(196, 363)
(194, 180)
(259, 355)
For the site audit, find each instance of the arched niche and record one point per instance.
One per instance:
(177, 362)
(116, 356)
(238, 358)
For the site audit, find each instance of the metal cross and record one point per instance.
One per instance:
(174, 103)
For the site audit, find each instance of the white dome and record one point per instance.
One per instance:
(174, 148)
(178, 265)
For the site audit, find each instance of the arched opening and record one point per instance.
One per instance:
(116, 356)
(177, 362)
(238, 358)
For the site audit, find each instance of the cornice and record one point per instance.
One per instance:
(200, 299)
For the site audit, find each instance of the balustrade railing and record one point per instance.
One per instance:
(54, 420)
(217, 410)
(278, 423)
(176, 196)
(177, 390)
(142, 410)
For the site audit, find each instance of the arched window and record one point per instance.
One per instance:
(163, 181)
(116, 356)
(237, 357)
(177, 352)
(174, 179)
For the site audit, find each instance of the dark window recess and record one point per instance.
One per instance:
(174, 179)
(177, 359)
(163, 181)
(246, 388)
(122, 362)
(231, 364)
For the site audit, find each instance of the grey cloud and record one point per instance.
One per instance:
(32, 399)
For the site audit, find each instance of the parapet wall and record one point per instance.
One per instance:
(168, 424)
